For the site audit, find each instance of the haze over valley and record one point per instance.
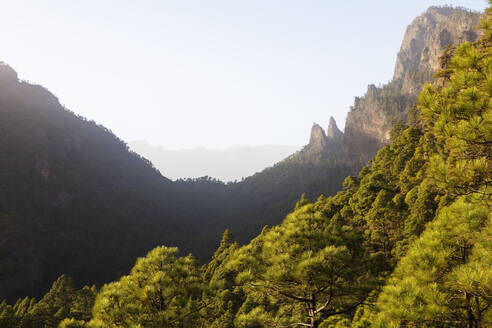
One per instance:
(229, 164)
(380, 219)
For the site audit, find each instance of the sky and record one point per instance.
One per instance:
(215, 73)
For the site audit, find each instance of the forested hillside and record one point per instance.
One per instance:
(321, 166)
(407, 243)
(75, 200)
(72, 197)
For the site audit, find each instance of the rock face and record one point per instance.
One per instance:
(426, 38)
(323, 145)
(74, 196)
(333, 133)
(9, 76)
(371, 117)
(318, 140)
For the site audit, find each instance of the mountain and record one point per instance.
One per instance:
(265, 197)
(74, 199)
(321, 166)
(371, 117)
(407, 243)
(226, 165)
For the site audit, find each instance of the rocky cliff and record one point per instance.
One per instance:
(321, 166)
(333, 132)
(323, 144)
(371, 117)
(424, 42)
(75, 200)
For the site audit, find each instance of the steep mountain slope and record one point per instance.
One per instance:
(321, 166)
(408, 243)
(226, 165)
(75, 200)
(264, 198)
(371, 117)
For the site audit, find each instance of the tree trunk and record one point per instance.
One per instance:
(469, 311)
(314, 324)
(479, 313)
(312, 312)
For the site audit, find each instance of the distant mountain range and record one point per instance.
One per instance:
(75, 199)
(226, 165)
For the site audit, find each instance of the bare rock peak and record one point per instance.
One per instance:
(332, 123)
(446, 10)
(428, 35)
(318, 138)
(317, 131)
(333, 131)
(7, 73)
(371, 118)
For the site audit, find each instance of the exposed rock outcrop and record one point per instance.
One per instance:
(8, 76)
(371, 117)
(318, 140)
(333, 133)
(323, 145)
(120, 206)
(425, 40)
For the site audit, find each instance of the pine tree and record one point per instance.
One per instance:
(445, 278)
(161, 291)
(223, 297)
(55, 304)
(307, 269)
(7, 315)
(419, 292)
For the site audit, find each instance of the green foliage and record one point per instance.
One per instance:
(7, 316)
(265, 197)
(72, 323)
(63, 302)
(223, 297)
(309, 268)
(445, 278)
(429, 286)
(459, 116)
(407, 243)
(389, 98)
(75, 200)
(303, 201)
(161, 290)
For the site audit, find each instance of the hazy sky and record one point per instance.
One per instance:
(215, 73)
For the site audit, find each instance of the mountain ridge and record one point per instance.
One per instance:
(370, 119)
(230, 164)
(74, 199)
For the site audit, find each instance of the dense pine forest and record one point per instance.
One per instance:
(75, 200)
(406, 243)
